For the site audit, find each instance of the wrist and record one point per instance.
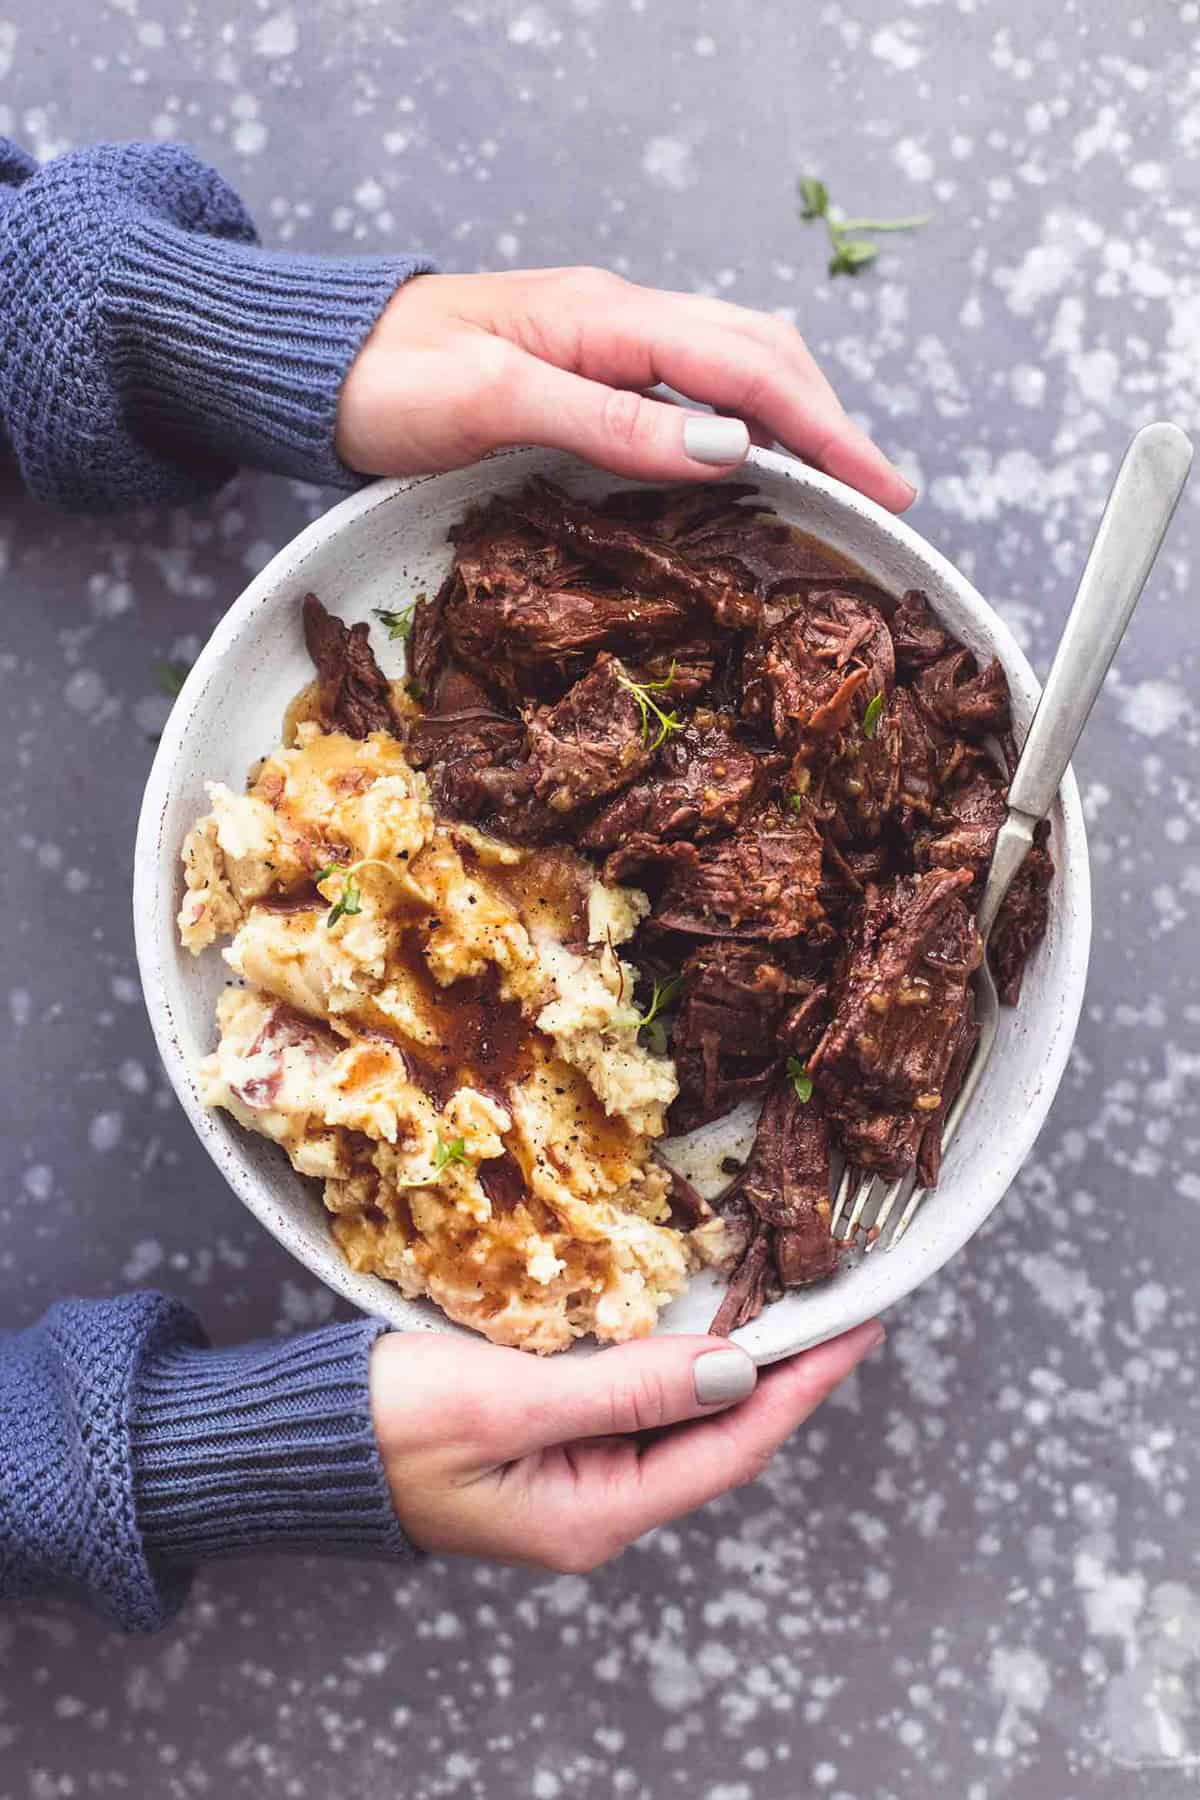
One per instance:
(265, 1446)
(230, 354)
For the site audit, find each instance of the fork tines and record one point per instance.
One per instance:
(864, 1201)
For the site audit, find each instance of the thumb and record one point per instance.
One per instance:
(635, 1387)
(615, 428)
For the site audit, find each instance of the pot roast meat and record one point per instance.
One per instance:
(427, 637)
(525, 781)
(645, 565)
(688, 1206)
(883, 1064)
(1021, 922)
(590, 743)
(785, 1187)
(733, 1003)
(701, 783)
(786, 1177)
(916, 635)
(354, 694)
(761, 882)
(750, 1286)
(965, 1038)
(818, 669)
(523, 637)
(676, 513)
(964, 699)
(970, 812)
(461, 719)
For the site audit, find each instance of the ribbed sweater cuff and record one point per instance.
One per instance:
(236, 352)
(267, 1446)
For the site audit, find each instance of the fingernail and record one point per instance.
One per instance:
(708, 439)
(722, 1376)
(875, 1337)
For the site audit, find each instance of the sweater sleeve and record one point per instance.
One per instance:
(148, 345)
(129, 1451)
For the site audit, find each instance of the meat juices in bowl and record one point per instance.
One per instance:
(684, 813)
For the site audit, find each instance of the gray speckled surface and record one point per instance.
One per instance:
(977, 1570)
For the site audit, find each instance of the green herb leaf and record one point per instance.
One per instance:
(453, 1152)
(349, 902)
(801, 1080)
(414, 690)
(333, 868)
(814, 198)
(399, 624)
(850, 255)
(870, 723)
(171, 676)
(661, 998)
(643, 692)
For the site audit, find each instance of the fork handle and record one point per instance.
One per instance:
(1143, 498)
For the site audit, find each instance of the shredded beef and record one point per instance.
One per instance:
(461, 720)
(733, 1004)
(918, 638)
(1021, 922)
(816, 670)
(883, 1063)
(688, 1206)
(762, 882)
(701, 783)
(592, 742)
(970, 811)
(750, 1285)
(962, 698)
(643, 563)
(354, 694)
(785, 1186)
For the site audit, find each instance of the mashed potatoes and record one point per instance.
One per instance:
(439, 1027)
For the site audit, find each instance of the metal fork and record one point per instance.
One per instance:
(1135, 520)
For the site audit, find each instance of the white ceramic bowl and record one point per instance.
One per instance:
(379, 548)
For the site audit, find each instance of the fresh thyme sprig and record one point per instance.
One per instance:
(650, 1022)
(443, 1155)
(643, 692)
(453, 1152)
(399, 624)
(849, 253)
(348, 902)
(800, 1079)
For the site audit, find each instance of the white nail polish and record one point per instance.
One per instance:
(723, 1376)
(708, 439)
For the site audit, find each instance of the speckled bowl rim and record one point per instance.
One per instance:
(800, 1320)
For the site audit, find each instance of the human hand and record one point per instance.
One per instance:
(562, 1463)
(458, 365)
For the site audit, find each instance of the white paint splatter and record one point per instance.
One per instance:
(667, 163)
(249, 136)
(104, 1131)
(893, 44)
(534, 26)
(277, 36)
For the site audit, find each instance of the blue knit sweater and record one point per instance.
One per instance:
(148, 347)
